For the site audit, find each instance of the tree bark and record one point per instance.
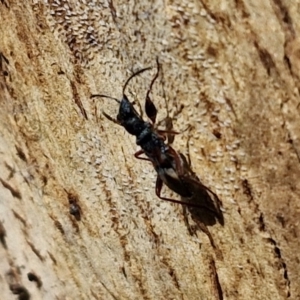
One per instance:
(79, 215)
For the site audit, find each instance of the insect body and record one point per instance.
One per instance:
(170, 166)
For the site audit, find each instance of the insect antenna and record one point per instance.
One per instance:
(105, 114)
(155, 77)
(104, 96)
(133, 75)
(125, 85)
(150, 108)
(168, 120)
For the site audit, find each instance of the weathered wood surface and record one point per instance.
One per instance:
(234, 65)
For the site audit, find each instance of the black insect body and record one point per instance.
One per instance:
(170, 166)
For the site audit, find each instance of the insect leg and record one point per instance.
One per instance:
(166, 132)
(204, 228)
(178, 162)
(158, 187)
(140, 152)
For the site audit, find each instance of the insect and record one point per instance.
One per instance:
(171, 167)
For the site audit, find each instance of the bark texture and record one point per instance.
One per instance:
(230, 71)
